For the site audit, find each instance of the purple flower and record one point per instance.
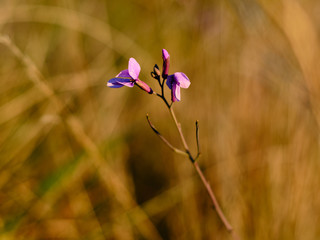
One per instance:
(166, 62)
(129, 77)
(175, 82)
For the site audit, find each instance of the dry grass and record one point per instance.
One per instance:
(78, 160)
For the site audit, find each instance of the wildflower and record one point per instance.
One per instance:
(129, 77)
(166, 61)
(175, 82)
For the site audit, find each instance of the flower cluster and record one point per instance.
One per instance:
(130, 77)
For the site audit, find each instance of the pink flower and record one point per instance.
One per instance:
(129, 77)
(175, 82)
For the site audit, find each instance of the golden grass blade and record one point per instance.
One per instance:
(20, 104)
(302, 36)
(69, 19)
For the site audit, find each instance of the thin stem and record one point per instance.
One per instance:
(178, 125)
(197, 138)
(164, 139)
(162, 94)
(213, 198)
(203, 179)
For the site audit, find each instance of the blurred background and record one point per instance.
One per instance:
(79, 161)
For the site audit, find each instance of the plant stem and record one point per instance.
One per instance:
(194, 162)
(178, 125)
(212, 196)
(203, 179)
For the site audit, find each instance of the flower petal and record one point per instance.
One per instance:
(175, 93)
(170, 81)
(182, 80)
(134, 68)
(126, 82)
(120, 82)
(113, 83)
(124, 74)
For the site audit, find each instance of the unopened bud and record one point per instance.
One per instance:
(143, 86)
(156, 70)
(166, 62)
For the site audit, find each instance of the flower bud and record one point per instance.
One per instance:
(156, 70)
(143, 86)
(166, 61)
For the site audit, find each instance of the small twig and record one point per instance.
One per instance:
(164, 139)
(197, 139)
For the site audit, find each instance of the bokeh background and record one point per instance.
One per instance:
(79, 161)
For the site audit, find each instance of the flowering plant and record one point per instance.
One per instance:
(130, 77)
